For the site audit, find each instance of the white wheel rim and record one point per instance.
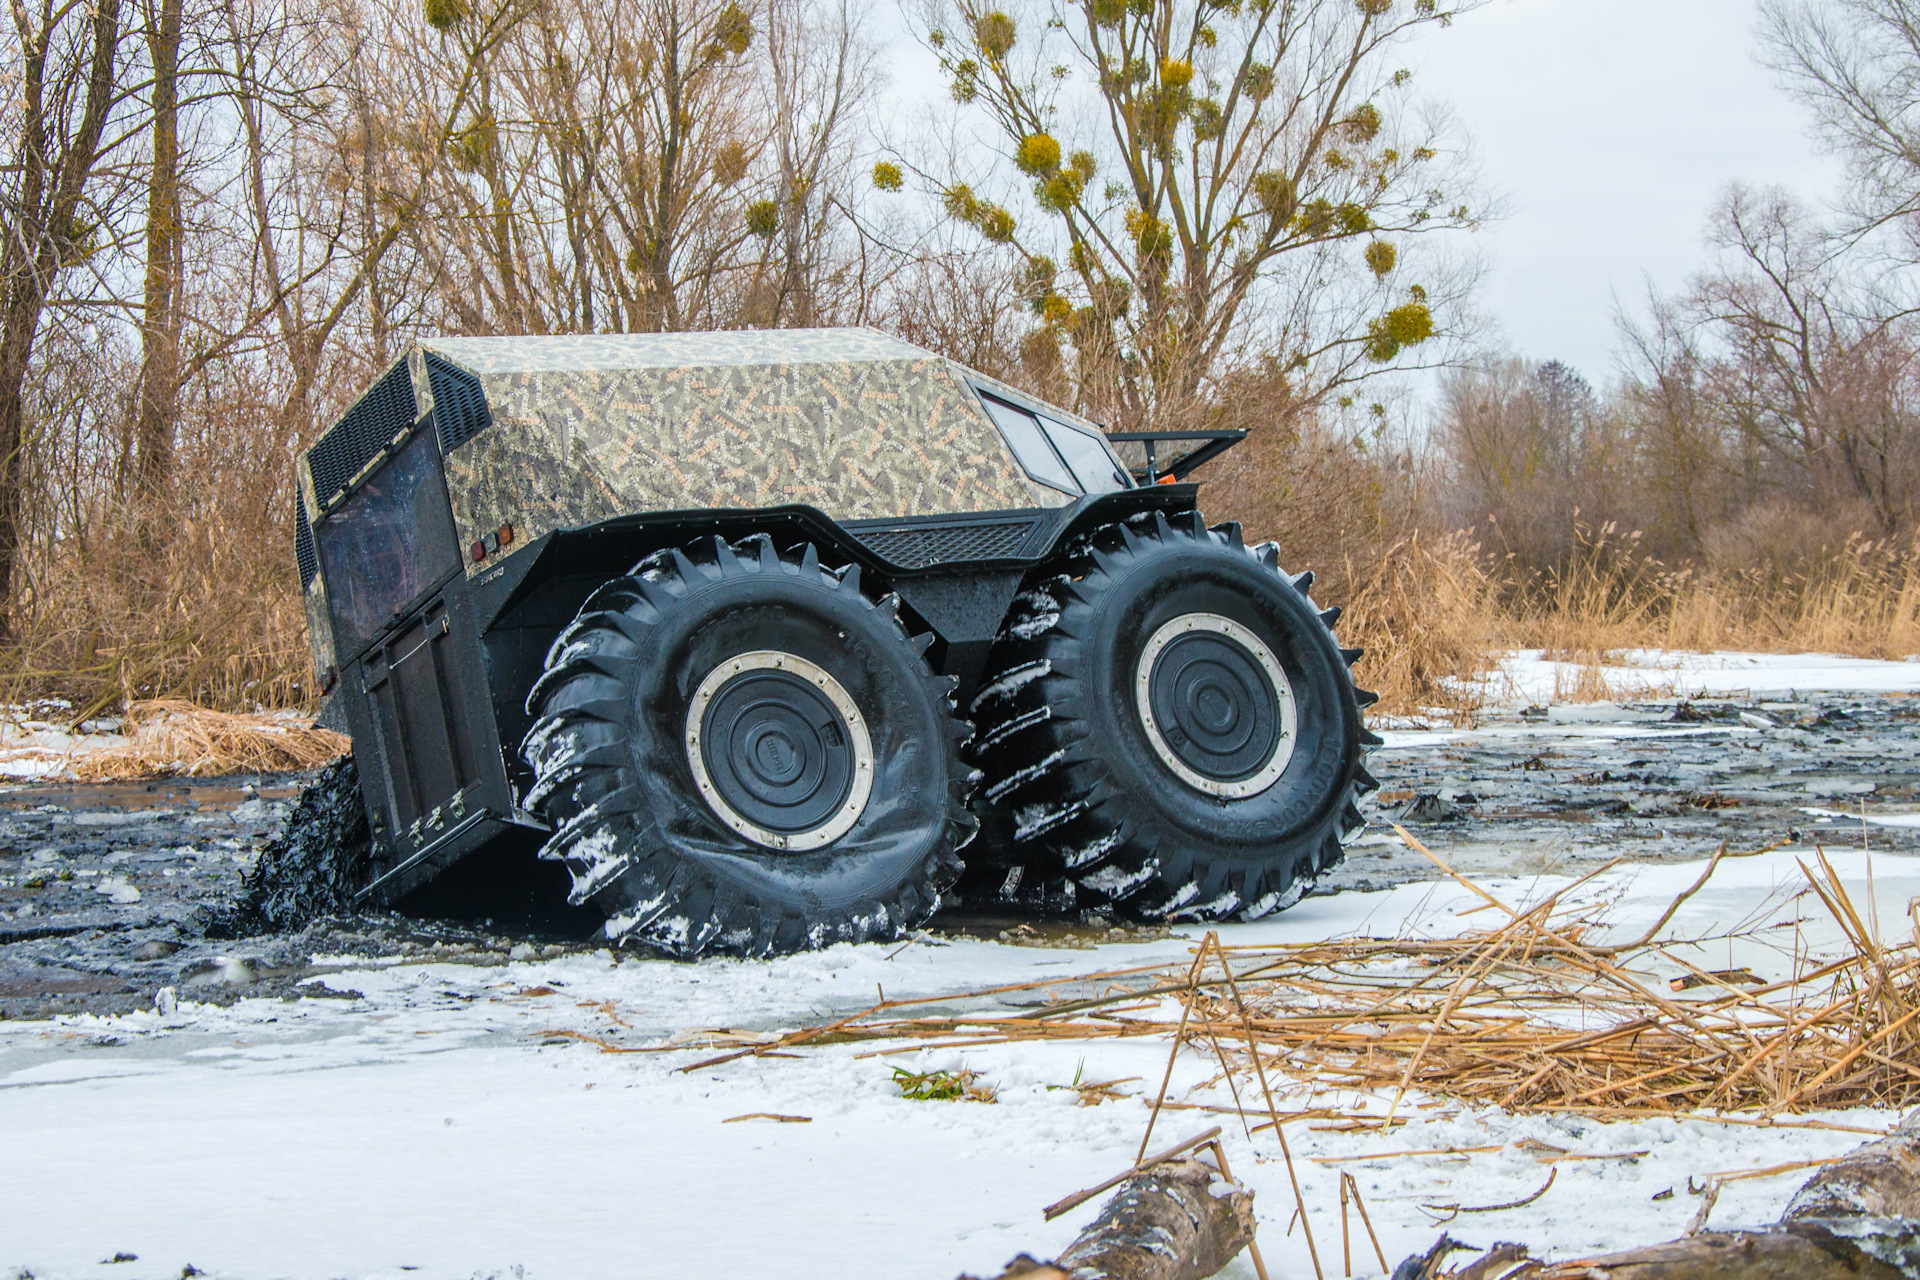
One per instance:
(1287, 713)
(859, 790)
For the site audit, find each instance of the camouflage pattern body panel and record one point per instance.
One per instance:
(314, 594)
(850, 421)
(616, 352)
(319, 629)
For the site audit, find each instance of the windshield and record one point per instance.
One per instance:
(1087, 454)
(1029, 444)
(1057, 454)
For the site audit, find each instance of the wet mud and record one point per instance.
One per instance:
(115, 896)
(1559, 790)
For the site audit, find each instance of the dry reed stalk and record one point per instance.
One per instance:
(1425, 613)
(1523, 1015)
(1434, 614)
(168, 737)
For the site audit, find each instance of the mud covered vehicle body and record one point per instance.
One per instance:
(755, 630)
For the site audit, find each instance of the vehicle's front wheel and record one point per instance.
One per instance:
(1169, 723)
(741, 751)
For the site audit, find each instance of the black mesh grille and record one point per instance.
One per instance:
(917, 546)
(362, 432)
(303, 545)
(459, 406)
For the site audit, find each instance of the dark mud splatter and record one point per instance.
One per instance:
(312, 868)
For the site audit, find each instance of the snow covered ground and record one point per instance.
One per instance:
(1526, 677)
(431, 1119)
(460, 1119)
(35, 742)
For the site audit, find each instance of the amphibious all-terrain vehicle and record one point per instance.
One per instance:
(756, 630)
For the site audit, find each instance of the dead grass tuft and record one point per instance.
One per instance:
(1435, 613)
(168, 737)
(1425, 613)
(1861, 598)
(1543, 1012)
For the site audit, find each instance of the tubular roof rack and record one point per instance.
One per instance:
(1213, 444)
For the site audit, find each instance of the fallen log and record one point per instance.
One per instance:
(1164, 1223)
(1855, 1219)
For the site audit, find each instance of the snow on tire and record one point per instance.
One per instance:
(742, 751)
(1169, 724)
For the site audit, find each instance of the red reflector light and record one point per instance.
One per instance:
(479, 552)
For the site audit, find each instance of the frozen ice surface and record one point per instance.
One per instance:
(432, 1119)
(464, 1119)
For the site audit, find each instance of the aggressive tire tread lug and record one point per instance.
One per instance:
(658, 889)
(1059, 813)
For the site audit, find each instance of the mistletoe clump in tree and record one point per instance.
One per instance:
(1196, 188)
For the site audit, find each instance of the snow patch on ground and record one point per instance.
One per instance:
(1527, 677)
(35, 744)
(537, 1119)
(469, 1120)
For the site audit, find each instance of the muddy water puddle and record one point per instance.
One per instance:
(1561, 789)
(106, 890)
(131, 799)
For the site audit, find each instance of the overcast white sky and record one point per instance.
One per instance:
(1609, 126)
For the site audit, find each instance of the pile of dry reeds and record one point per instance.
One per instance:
(1530, 1015)
(170, 737)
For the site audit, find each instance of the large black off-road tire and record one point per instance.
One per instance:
(741, 751)
(1169, 723)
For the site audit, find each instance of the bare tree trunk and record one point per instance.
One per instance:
(54, 159)
(159, 399)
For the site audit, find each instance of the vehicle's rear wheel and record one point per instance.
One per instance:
(741, 751)
(1169, 723)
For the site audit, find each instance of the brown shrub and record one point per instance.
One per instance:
(188, 593)
(1424, 612)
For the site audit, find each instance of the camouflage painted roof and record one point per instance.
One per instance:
(733, 347)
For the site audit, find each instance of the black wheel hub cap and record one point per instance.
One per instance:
(777, 751)
(1214, 706)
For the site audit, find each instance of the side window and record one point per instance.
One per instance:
(1087, 454)
(1029, 445)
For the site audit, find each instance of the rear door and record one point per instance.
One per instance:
(392, 565)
